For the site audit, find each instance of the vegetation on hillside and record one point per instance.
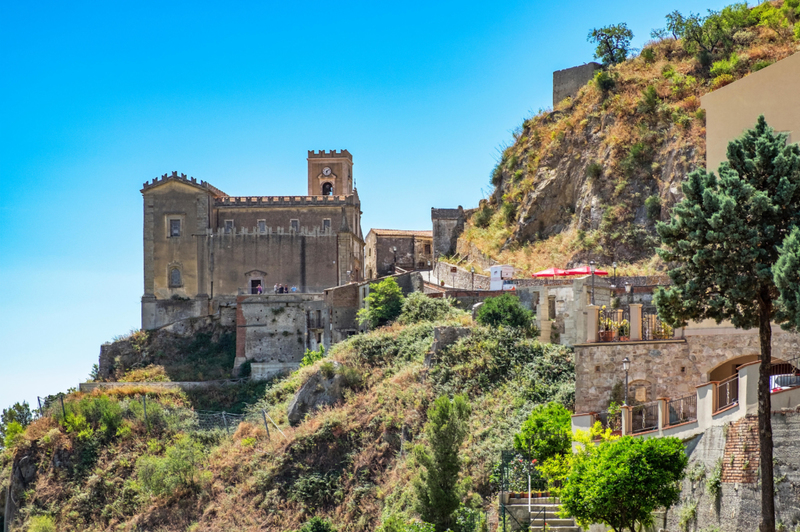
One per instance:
(106, 467)
(589, 179)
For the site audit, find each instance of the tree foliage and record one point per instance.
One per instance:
(546, 432)
(418, 307)
(723, 243)
(507, 311)
(620, 483)
(19, 413)
(437, 484)
(613, 43)
(384, 303)
(317, 524)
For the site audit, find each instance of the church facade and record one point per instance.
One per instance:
(203, 248)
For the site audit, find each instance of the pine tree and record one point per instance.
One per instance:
(723, 240)
(437, 485)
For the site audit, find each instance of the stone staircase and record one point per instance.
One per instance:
(544, 511)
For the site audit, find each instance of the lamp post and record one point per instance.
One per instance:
(626, 364)
(394, 267)
(591, 269)
(628, 290)
(472, 271)
(614, 265)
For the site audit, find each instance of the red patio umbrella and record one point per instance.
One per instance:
(584, 270)
(550, 272)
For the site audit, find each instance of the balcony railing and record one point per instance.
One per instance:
(614, 324)
(728, 392)
(644, 417)
(652, 326)
(683, 409)
(609, 421)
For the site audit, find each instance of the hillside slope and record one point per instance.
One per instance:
(105, 468)
(590, 179)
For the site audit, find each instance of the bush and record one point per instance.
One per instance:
(19, 413)
(594, 169)
(178, 468)
(650, 100)
(507, 311)
(653, 206)
(649, 55)
(546, 432)
(604, 81)
(318, 524)
(13, 431)
(721, 81)
(41, 523)
(311, 357)
(384, 303)
(725, 66)
(764, 63)
(396, 523)
(482, 217)
(509, 212)
(418, 307)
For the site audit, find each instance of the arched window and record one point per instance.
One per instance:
(175, 277)
(327, 189)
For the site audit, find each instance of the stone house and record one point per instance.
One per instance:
(388, 251)
(203, 248)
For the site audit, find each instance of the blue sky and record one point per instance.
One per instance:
(96, 98)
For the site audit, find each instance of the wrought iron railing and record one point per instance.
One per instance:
(611, 421)
(727, 392)
(614, 324)
(644, 417)
(652, 326)
(683, 409)
(785, 374)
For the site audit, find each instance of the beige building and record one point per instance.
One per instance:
(773, 91)
(391, 250)
(203, 247)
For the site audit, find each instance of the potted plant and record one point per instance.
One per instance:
(624, 329)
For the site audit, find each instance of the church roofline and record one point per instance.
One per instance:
(322, 154)
(158, 181)
(262, 201)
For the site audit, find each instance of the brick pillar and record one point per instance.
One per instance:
(636, 321)
(592, 316)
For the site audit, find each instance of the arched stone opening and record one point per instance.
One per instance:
(327, 189)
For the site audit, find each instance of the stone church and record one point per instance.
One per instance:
(203, 248)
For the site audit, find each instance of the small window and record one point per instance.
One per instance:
(174, 227)
(228, 227)
(597, 369)
(262, 226)
(427, 249)
(326, 224)
(175, 277)
(327, 189)
(295, 225)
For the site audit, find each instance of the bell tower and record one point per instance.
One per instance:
(330, 173)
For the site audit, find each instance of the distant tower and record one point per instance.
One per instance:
(330, 173)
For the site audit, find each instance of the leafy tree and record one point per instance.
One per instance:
(620, 483)
(318, 524)
(723, 241)
(384, 303)
(706, 36)
(437, 485)
(418, 307)
(19, 413)
(613, 43)
(507, 311)
(546, 432)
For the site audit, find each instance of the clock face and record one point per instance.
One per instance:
(326, 171)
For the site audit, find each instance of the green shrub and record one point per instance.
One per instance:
(19, 413)
(653, 206)
(384, 303)
(41, 523)
(509, 213)
(496, 177)
(178, 468)
(604, 81)
(594, 169)
(418, 307)
(13, 432)
(763, 64)
(714, 481)
(380, 348)
(506, 311)
(546, 433)
(721, 80)
(318, 524)
(649, 101)
(649, 55)
(483, 216)
(316, 490)
(396, 523)
(311, 357)
(725, 66)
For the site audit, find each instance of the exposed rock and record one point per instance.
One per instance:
(23, 473)
(319, 390)
(444, 337)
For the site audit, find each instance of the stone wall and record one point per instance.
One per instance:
(567, 82)
(448, 224)
(414, 252)
(462, 278)
(668, 368)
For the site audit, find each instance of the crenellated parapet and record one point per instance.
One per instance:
(184, 179)
(264, 201)
(322, 154)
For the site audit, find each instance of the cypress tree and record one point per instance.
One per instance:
(437, 485)
(722, 243)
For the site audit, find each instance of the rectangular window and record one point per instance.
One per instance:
(427, 249)
(174, 228)
(295, 225)
(228, 227)
(262, 226)
(326, 224)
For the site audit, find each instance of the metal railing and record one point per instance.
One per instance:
(644, 417)
(614, 324)
(683, 409)
(609, 421)
(727, 392)
(652, 326)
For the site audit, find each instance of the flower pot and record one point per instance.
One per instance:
(606, 336)
(623, 338)
(504, 496)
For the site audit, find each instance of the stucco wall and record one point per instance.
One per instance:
(772, 91)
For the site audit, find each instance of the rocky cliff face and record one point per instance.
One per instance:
(590, 179)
